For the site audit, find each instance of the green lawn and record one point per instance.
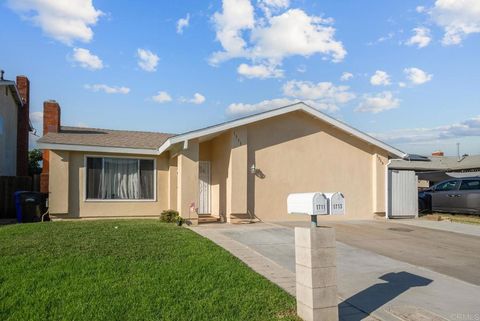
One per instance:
(128, 270)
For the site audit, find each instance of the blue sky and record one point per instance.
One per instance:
(411, 72)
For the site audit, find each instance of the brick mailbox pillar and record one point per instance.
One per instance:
(316, 276)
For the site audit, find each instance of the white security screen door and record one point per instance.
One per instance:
(204, 188)
(402, 194)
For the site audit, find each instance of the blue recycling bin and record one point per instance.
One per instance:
(30, 206)
(18, 206)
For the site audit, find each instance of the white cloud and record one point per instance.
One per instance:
(86, 59)
(162, 97)
(147, 60)
(421, 37)
(346, 76)
(183, 23)
(380, 78)
(378, 103)
(269, 6)
(417, 76)
(458, 18)
(36, 117)
(197, 99)
(236, 109)
(271, 38)
(401, 84)
(469, 127)
(107, 89)
(236, 16)
(259, 71)
(296, 33)
(381, 39)
(420, 9)
(302, 68)
(322, 96)
(65, 21)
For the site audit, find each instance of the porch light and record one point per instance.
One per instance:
(253, 170)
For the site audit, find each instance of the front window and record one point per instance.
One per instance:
(120, 178)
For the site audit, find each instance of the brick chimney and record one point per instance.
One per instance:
(51, 124)
(23, 126)
(438, 153)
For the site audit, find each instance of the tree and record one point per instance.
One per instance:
(34, 159)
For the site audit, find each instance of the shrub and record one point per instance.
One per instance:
(169, 216)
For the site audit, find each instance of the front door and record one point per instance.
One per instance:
(204, 188)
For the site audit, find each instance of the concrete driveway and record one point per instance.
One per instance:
(390, 270)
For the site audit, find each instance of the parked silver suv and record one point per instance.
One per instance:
(460, 195)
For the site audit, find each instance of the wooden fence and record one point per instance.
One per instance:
(8, 186)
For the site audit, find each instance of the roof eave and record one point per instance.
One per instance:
(100, 149)
(13, 88)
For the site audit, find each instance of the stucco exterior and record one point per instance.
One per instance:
(253, 169)
(67, 177)
(8, 133)
(296, 153)
(292, 153)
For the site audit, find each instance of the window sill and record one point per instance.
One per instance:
(119, 201)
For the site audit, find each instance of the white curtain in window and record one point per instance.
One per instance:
(121, 180)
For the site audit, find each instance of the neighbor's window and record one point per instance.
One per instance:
(120, 178)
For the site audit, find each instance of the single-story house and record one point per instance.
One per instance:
(231, 171)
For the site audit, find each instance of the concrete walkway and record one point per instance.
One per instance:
(276, 273)
(369, 283)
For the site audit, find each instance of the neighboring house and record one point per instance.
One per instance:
(14, 126)
(436, 168)
(230, 171)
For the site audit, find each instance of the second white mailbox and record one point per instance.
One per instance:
(336, 203)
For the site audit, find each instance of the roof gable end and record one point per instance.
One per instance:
(301, 106)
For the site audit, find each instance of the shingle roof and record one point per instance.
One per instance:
(435, 163)
(105, 138)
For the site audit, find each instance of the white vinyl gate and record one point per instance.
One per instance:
(204, 188)
(402, 194)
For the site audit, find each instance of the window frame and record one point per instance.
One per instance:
(103, 156)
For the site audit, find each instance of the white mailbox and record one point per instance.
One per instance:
(307, 203)
(336, 203)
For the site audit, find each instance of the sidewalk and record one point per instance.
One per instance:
(462, 228)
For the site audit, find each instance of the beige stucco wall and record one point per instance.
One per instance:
(8, 133)
(220, 158)
(57, 183)
(297, 153)
(172, 183)
(237, 173)
(187, 181)
(75, 185)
